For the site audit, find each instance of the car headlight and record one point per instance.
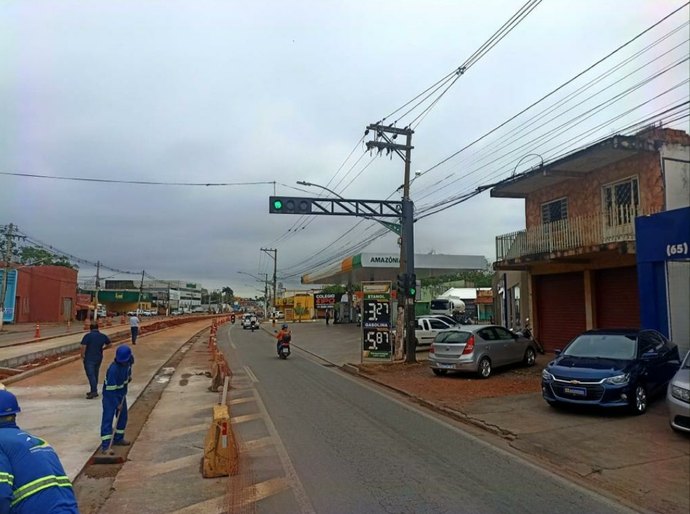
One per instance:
(680, 393)
(619, 379)
(546, 375)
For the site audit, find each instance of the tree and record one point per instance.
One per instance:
(229, 294)
(29, 255)
(470, 279)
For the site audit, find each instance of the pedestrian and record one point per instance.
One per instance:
(134, 327)
(117, 377)
(92, 345)
(32, 479)
(328, 315)
(335, 316)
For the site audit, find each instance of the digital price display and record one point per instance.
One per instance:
(376, 321)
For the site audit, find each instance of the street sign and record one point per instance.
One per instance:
(376, 320)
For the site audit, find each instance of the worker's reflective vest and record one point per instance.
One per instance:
(32, 479)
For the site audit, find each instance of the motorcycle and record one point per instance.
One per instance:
(284, 350)
(252, 326)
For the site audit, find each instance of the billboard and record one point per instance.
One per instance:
(10, 294)
(324, 300)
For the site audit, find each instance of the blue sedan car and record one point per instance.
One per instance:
(611, 368)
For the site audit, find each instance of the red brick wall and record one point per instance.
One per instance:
(585, 194)
(45, 287)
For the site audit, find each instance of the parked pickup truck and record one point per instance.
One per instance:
(427, 328)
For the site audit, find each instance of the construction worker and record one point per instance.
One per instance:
(117, 377)
(92, 346)
(32, 479)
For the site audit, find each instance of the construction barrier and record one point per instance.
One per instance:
(220, 448)
(37, 332)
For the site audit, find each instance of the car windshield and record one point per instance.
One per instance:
(439, 304)
(686, 362)
(452, 337)
(603, 346)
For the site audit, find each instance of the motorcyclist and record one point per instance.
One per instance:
(283, 336)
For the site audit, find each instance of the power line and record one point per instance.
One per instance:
(138, 182)
(551, 93)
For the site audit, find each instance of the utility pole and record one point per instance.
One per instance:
(141, 289)
(98, 285)
(406, 303)
(268, 251)
(8, 255)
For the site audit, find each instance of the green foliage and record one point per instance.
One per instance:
(229, 294)
(28, 255)
(469, 278)
(300, 311)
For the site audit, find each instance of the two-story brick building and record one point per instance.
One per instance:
(578, 247)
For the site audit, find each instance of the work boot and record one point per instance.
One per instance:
(89, 396)
(121, 442)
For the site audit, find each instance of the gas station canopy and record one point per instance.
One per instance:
(383, 266)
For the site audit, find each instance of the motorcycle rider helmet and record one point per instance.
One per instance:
(123, 354)
(8, 403)
(285, 325)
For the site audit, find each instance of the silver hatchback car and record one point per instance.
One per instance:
(479, 348)
(678, 398)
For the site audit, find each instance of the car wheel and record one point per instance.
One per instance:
(485, 367)
(530, 357)
(639, 400)
(439, 372)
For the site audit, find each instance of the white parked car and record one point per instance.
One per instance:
(678, 398)
(428, 328)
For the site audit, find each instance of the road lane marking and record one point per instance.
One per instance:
(238, 401)
(256, 444)
(257, 492)
(151, 470)
(250, 374)
(296, 485)
(232, 345)
(243, 419)
(216, 505)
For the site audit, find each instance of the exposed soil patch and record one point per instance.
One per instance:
(456, 390)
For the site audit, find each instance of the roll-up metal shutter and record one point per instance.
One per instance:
(617, 297)
(561, 308)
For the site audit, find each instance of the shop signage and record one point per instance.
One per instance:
(10, 294)
(324, 300)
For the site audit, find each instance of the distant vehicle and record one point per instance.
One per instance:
(678, 398)
(427, 329)
(448, 305)
(198, 310)
(611, 368)
(278, 314)
(448, 319)
(247, 320)
(479, 349)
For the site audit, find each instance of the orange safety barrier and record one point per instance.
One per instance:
(37, 332)
(122, 319)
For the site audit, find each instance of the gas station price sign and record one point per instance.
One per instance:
(376, 320)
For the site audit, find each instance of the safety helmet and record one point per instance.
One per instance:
(285, 325)
(123, 354)
(8, 404)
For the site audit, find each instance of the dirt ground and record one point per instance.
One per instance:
(457, 390)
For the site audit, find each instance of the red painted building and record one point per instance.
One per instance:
(45, 294)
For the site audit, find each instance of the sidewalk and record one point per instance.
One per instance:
(16, 349)
(639, 459)
(53, 403)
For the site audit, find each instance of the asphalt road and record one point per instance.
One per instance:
(346, 446)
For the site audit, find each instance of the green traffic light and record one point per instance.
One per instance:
(413, 291)
(277, 204)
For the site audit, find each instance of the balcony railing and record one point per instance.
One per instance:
(613, 225)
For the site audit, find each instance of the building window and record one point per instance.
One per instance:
(621, 202)
(554, 211)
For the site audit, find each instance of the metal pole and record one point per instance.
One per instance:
(7, 257)
(407, 231)
(141, 288)
(98, 285)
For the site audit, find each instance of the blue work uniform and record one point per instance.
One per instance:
(94, 342)
(32, 479)
(115, 396)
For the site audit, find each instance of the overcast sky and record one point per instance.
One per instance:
(264, 91)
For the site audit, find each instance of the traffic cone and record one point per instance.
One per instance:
(37, 333)
(122, 319)
(69, 325)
